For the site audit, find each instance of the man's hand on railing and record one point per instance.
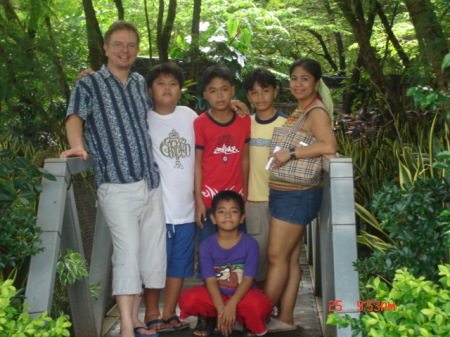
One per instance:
(75, 152)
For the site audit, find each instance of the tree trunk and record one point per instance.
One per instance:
(352, 89)
(361, 31)
(391, 36)
(149, 30)
(195, 34)
(165, 30)
(430, 36)
(62, 79)
(326, 53)
(120, 10)
(339, 42)
(95, 39)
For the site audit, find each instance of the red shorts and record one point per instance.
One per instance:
(251, 311)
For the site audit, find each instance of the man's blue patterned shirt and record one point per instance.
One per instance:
(115, 127)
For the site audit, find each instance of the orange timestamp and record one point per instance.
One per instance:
(364, 306)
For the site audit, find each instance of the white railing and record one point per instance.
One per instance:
(331, 245)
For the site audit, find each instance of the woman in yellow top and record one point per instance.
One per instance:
(292, 206)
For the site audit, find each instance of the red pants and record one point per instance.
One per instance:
(251, 311)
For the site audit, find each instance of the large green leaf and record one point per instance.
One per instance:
(372, 241)
(365, 215)
(404, 174)
(232, 26)
(7, 191)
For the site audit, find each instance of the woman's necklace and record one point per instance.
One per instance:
(301, 110)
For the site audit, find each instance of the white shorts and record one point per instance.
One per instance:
(135, 217)
(257, 218)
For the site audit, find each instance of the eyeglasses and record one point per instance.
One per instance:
(119, 45)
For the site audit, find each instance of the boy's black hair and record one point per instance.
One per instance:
(167, 68)
(261, 76)
(214, 71)
(228, 195)
(311, 66)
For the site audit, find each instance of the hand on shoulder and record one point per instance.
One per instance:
(84, 73)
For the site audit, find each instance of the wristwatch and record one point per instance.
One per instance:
(292, 153)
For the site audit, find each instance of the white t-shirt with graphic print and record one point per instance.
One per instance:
(173, 143)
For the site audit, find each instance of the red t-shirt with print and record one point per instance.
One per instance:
(222, 146)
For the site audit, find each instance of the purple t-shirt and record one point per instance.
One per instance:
(229, 266)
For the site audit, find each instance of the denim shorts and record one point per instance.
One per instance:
(296, 207)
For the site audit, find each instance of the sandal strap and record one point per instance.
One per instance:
(173, 318)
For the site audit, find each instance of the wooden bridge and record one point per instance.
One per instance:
(327, 260)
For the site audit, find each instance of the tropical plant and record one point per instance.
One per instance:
(20, 184)
(414, 220)
(17, 323)
(413, 306)
(19, 241)
(443, 162)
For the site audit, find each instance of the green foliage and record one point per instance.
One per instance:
(19, 239)
(20, 184)
(413, 218)
(426, 97)
(37, 50)
(44, 47)
(422, 308)
(443, 162)
(20, 180)
(15, 323)
(398, 150)
(72, 268)
(379, 242)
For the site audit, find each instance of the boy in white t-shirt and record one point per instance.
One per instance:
(173, 143)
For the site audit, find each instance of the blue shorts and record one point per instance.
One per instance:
(180, 250)
(296, 207)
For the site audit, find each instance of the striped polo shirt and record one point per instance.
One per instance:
(115, 127)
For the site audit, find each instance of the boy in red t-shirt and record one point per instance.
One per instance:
(221, 147)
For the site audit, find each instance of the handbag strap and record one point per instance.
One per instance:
(302, 118)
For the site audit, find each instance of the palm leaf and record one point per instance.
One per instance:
(372, 241)
(404, 174)
(365, 215)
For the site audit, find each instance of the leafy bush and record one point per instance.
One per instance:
(20, 180)
(422, 308)
(20, 184)
(414, 219)
(19, 239)
(15, 323)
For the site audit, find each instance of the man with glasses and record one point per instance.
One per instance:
(107, 117)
